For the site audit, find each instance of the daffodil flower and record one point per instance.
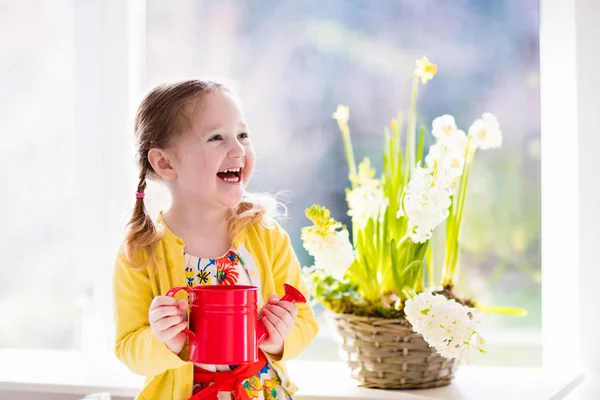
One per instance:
(486, 132)
(342, 116)
(425, 70)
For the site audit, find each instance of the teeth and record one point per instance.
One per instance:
(232, 180)
(233, 170)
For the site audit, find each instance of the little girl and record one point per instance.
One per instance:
(193, 137)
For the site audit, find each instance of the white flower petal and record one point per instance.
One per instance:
(444, 127)
(332, 252)
(485, 132)
(445, 324)
(426, 201)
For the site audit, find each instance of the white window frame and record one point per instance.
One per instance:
(560, 186)
(570, 117)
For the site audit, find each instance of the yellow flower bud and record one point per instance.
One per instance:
(342, 115)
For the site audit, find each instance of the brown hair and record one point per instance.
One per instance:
(159, 120)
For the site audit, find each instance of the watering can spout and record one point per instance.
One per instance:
(292, 295)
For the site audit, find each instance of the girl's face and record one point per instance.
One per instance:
(213, 161)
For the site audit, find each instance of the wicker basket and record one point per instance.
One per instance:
(387, 354)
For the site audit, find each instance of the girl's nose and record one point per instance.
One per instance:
(236, 150)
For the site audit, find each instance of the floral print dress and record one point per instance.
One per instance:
(231, 270)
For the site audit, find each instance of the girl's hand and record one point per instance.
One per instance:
(279, 318)
(168, 318)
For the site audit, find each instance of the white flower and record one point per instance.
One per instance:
(445, 324)
(330, 247)
(417, 308)
(367, 199)
(426, 201)
(342, 116)
(337, 256)
(444, 128)
(425, 70)
(332, 253)
(485, 132)
(449, 154)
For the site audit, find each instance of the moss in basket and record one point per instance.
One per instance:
(344, 298)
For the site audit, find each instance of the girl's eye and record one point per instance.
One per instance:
(243, 135)
(215, 138)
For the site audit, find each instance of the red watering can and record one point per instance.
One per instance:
(225, 328)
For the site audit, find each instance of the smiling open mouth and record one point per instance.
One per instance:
(231, 175)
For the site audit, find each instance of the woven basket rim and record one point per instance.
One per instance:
(365, 318)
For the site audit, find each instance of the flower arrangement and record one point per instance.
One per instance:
(385, 270)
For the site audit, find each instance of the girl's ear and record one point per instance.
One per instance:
(162, 164)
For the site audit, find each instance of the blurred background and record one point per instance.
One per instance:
(293, 62)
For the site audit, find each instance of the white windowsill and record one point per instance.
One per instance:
(69, 373)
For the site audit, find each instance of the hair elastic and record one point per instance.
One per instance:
(139, 195)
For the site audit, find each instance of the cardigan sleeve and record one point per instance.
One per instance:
(136, 345)
(286, 269)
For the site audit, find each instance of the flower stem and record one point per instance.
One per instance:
(455, 219)
(411, 135)
(349, 154)
(461, 206)
(420, 145)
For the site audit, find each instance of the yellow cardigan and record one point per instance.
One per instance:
(170, 376)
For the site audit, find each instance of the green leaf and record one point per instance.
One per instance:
(357, 273)
(408, 293)
(520, 312)
(421, 144)
(387, 278)
(396, 267)
(370, 286)
(411, 274)
(429, 262)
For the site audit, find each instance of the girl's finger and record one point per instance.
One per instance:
(283, 315)
(291, 308)
(166, 323)
(162, 312)
(274, 333)
(160, 301)
(278, 322)
(182, 305)
(173, 331)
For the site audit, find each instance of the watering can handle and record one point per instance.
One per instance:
(292, 295)
(171, 293)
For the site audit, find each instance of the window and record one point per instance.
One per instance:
(296, 61)
(38, 176)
